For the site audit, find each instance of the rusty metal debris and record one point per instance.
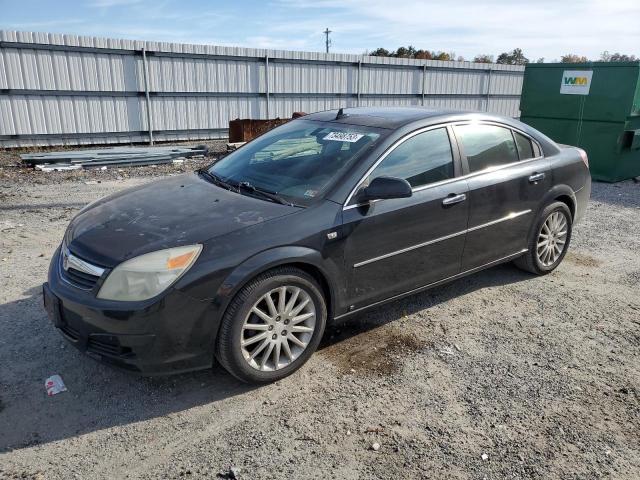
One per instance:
(243, 130)
(246, 129)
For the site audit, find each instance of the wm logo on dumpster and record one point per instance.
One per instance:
(576, 82)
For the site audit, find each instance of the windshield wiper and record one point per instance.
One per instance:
(273, 196)
(213, 178)
(237, 187)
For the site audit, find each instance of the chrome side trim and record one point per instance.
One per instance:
(356, 205)
(69, 260)
(503, 219)
(408, 249)
(440, 239)
(436, 283)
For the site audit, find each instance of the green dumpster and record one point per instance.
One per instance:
(594, 105)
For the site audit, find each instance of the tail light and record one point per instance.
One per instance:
(584, 157)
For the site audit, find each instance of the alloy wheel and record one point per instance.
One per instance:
(552, 239)
(278, 328)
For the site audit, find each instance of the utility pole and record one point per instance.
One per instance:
(327, 41)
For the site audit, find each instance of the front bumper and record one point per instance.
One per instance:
(170, 334)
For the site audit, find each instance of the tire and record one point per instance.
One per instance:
(240, 326)
(532, 261)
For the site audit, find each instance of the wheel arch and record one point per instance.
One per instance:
(570, 202)
(306, 259)
(559, 193)
(319, 277)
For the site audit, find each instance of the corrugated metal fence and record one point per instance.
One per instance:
(66, 89)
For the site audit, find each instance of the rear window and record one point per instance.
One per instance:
(525, 149)
(486, 146)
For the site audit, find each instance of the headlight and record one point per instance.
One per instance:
(146, 276)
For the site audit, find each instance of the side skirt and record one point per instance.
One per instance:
(435, 284)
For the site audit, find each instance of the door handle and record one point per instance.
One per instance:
(453, 199)
(536, 177)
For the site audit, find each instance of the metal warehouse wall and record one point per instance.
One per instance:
(67, 89)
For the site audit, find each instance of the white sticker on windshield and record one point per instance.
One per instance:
(344, 137)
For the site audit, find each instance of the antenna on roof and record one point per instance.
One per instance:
(340, 114)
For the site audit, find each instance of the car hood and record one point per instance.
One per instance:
(180, 210)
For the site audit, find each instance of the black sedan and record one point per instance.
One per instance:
(323, 217)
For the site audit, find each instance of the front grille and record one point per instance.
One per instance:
(80, 279)
(77, 271)
(106, 345)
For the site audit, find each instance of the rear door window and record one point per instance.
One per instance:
(422, 159)
(486, 146)
(525, 149)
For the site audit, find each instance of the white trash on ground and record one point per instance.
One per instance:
(54, 385)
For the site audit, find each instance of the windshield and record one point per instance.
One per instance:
(298, 161)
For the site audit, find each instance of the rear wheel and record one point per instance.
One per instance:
(549, 240)
(272, 326)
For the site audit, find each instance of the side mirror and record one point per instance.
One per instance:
(386, 187)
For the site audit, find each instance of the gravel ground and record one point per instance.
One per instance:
(14, 172)
(498, 375)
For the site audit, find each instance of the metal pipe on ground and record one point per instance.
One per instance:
(112, 156)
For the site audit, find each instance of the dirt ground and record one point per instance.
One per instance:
(500, 375)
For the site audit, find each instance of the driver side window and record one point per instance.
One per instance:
(422, 159)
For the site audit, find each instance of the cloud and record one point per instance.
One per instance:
(541, 28)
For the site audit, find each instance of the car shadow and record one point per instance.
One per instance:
(368, 320)
(100, 397)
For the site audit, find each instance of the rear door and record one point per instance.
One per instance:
(396, 245)
(507, 178)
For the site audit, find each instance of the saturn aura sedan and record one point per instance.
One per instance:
(321, 218)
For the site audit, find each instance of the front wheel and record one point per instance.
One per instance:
(272, 326)
(549, 240)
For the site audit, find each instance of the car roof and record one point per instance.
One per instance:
(383, 117)
(395, 118)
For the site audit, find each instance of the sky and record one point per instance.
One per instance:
(541, 28)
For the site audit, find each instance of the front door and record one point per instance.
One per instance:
(396, 245)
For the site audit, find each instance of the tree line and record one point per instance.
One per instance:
(514, 57)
